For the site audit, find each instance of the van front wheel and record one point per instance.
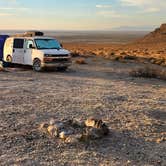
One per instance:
(37, 65)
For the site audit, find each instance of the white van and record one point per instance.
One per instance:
(38, 51)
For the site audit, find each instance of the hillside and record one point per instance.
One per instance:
(158, 35)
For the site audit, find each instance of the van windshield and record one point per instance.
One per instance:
(47, 44)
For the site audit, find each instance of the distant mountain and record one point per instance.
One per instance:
(157, 36)
(134, 28)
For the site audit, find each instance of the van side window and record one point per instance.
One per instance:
(28, 43)
(18, 43)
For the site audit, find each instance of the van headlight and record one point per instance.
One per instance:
(47, 55)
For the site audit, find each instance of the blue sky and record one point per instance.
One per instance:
(81, 14)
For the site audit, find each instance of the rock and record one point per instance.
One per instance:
(158, 35)
(52, 121)
(52, 130)
(63, 135)
(43, 127)
(73, 138)
(97, 123)
(91, 133)
(90, 122)
(159, 140)
(75, 123)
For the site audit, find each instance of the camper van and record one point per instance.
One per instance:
(38, 51)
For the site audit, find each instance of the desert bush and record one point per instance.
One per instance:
(80, 61)
(130, 57)
(112, 53)
(149, 72)
(75, 54)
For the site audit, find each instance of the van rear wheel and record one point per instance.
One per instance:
(37, 65)
(9, 59)
(8, 62)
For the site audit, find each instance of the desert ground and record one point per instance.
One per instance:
(133, 108)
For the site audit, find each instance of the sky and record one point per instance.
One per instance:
(81, 14)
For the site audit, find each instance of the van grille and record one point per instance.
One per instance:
(59, 55)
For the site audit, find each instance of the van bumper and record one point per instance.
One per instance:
(56, 65)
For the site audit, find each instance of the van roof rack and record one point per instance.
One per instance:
(33, 33)
(30, 34)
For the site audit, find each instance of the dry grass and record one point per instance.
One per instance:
(149, 72)
(155, 54)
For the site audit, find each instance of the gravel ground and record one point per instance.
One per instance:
(133, 108)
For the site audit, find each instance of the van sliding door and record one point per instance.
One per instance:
(18, 51)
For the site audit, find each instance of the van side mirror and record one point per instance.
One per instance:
(31, 46)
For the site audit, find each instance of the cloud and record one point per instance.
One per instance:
(6, 14)
(151, 10)
(144, 3)
(134, 2)
(103, 6)
(13, 8)
(145, 6)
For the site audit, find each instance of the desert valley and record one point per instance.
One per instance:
(121, 82)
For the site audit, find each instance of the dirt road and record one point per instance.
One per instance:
(133, 108)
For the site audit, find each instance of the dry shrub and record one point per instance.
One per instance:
(149, 72)
(75, 54)
(80, 61)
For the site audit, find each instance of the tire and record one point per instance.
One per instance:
(9, 59)
(8, 62)
(37, 65)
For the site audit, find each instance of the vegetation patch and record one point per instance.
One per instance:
(81, 61)
(149, 72)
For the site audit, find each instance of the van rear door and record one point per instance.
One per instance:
(18, 51)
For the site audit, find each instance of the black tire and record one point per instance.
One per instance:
(8, 62)
(9, 59)
(37, 65)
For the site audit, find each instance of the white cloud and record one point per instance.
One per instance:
(103, 6)
(134, 2)
(145, 6)
(144, 3)
(13, 8)
(151, 10)
(6, 14)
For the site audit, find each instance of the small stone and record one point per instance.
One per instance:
(43, 127)
(52, 121)
(90, 122)
(52, 130)
(63, 135)
(71, 139)
(159, 140)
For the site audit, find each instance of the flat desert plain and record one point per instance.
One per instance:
(133, 108)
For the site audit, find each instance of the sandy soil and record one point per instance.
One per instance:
(133, 108)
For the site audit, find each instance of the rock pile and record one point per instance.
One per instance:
(72, 130)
